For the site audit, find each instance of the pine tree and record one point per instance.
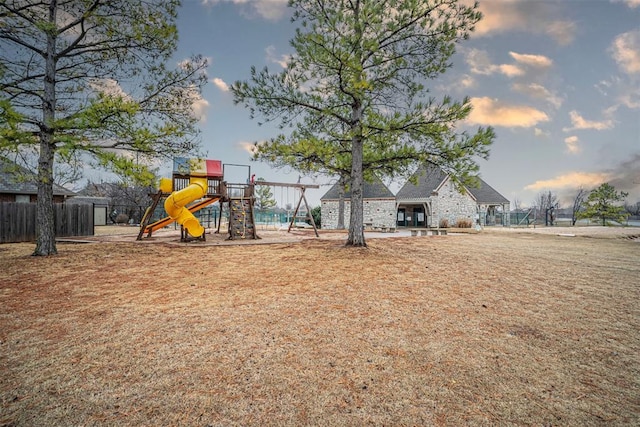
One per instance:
(90, 77)
(355, 94)
(264, 196)
(605, 203)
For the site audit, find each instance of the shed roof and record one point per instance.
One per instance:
(372, 190)
(9, 182)
(99, 201)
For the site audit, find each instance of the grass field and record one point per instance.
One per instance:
(495, 329)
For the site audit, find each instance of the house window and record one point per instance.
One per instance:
(23, 198)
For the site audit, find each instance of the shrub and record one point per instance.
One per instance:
(444, 223)
(122, 218)
(317, 217)
(464, 223)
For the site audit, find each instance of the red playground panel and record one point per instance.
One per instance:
(214, 168)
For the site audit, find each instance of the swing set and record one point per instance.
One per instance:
(302, 187)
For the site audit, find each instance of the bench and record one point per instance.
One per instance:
(439, 231)
(383, 229)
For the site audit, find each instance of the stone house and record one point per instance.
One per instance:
(434, 201)
(18, 184)
(379, 206)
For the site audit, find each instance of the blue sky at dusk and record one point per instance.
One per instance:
(558, 80)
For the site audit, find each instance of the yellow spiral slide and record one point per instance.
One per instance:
(176, 202)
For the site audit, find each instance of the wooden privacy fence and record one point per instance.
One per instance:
(18, 221)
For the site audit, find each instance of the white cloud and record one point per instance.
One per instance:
(537, 91)
(487, 111)
(563, 32)
(220, 84)
(459, 83)
(630, 3)
(580, 123)
(272, 10)
(625, 50)
(572, 144)
(527, 16)
(479, 63)
(631, 100)
(199, 105)
(537, 61)
(625, 92)
(510, 70)
(249, 147)
(467, 81)
(541, 133)
(611, 111)
(109, 87)
(570, 180)
(625, 176)
(272, 56)
(499, 17)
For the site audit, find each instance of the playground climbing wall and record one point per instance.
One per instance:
(241, 222)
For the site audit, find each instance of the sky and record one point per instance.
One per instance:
(558, 80)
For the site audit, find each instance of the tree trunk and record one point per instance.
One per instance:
(356, 229)
(341, 191)
(45, 222)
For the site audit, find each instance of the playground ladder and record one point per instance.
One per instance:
(241, 219)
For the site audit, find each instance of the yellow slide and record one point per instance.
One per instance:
(176, 202)
(161, 223)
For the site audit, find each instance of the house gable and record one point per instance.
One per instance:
(428, 179)
(372, 190)
(379, 206)
(432, 190)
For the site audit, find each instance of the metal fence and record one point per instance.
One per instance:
(18, 221)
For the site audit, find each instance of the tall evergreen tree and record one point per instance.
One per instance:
(605, 203)
(90, 76)
(355, 94)
(264, 196)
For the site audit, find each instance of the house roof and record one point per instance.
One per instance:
(372, 190)
(429, 177)
(486, 194)
(9, 182)
(99, 201)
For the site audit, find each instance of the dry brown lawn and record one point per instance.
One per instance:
(496, 329)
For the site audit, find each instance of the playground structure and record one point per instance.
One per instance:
(198, 183)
